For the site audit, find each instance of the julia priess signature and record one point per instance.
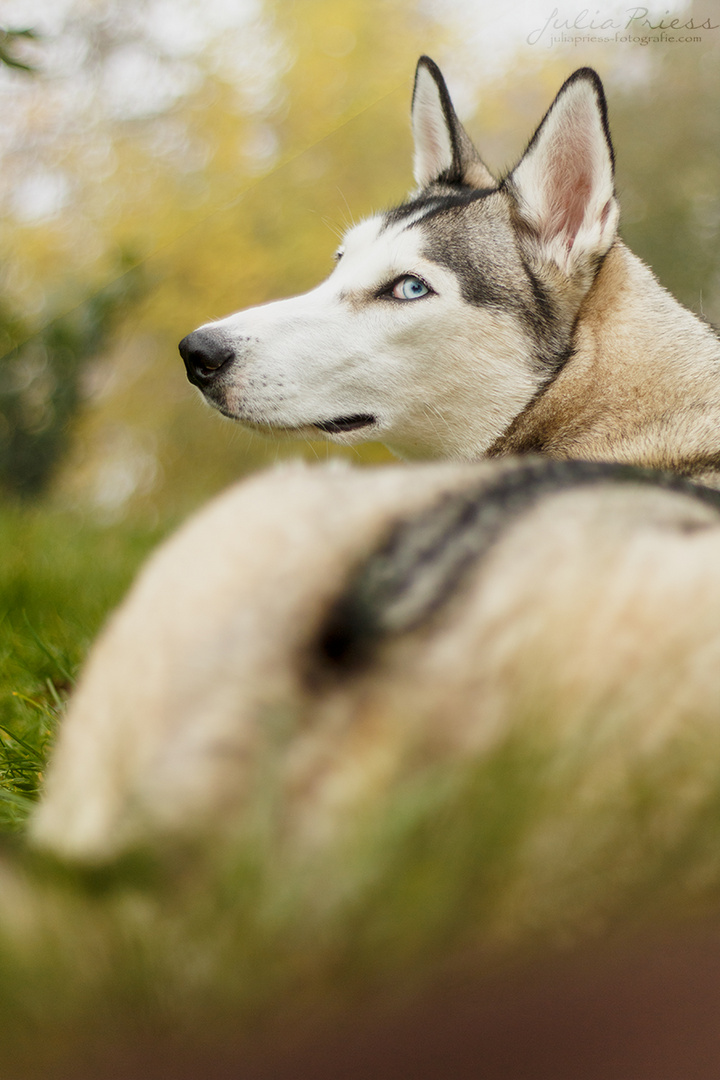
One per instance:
(636, 19)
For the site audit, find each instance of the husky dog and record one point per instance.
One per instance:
(325, 629)
(348, 624)
(482, 318)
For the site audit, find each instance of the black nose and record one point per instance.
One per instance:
(205, 353)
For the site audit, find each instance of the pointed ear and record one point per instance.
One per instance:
(564, 185)
(443, 150)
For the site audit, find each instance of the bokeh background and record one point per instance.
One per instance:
(165, 162)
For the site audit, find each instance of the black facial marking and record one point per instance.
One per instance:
(491, 272)
(544, 307)
(483, 254)
(437, 199)
(479, 285)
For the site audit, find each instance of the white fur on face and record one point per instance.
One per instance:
(441, 377)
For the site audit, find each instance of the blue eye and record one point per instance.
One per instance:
(409, 288)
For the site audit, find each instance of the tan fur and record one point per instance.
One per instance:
(595, 622)
(643, 384)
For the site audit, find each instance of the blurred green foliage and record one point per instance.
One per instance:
(668, 161)
(40, 385)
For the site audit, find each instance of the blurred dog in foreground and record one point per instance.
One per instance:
(483, 317)
(345, 624)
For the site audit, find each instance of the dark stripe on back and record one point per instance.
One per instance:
(422, 562)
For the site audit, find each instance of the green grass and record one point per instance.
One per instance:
(476, 865)
(59, 576)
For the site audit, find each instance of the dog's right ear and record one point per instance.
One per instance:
(564, 187)
(443, 150)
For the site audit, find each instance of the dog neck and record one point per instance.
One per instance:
(642, 384)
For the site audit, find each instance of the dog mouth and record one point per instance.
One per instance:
(345, 423)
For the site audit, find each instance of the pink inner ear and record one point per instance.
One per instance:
(568, 202)
(570, 183)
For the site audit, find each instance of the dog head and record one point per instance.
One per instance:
(445, 316)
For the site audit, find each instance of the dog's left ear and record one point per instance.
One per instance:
(443, 149)
(564, 185)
